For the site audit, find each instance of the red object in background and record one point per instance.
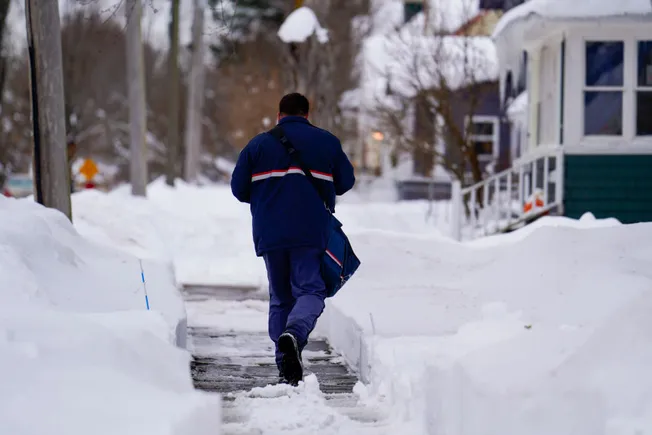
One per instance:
(89, 185)
(6, 193)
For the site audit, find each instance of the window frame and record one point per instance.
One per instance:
(495, 137)
(638, 88)
(622, 89)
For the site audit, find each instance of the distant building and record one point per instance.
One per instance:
(471, 88)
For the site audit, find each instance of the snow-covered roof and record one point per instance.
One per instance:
(577, 9)
(300, 25)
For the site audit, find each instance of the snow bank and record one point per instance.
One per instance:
(514, 338)
(43, 248)
(78, 348)
(300, 25)
(587, 221)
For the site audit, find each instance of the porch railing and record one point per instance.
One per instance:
(510, 199)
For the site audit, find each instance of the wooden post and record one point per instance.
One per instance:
(195, 108)
(51, 170)
(173, 92)
(456, 215)
(136, 91)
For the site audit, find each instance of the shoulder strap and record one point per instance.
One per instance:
(279, 134)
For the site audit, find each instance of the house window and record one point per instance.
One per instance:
(644, 89)
(411, 8)
(603, 88)
(483, 136)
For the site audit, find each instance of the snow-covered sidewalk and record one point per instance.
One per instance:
(232, 335)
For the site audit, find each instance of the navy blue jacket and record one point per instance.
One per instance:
(286, 209)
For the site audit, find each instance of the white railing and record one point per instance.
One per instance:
(509, 199)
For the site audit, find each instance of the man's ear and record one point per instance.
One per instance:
(278, 117)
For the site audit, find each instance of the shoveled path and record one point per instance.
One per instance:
(233, 355)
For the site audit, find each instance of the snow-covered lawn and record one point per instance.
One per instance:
(79, 351)
(545, 330)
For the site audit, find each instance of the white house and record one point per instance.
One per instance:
(588, 109)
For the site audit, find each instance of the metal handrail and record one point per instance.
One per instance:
(496, 206)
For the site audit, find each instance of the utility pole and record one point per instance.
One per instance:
(195, 108)
(173, 102)
(137, 103)
(51, 170)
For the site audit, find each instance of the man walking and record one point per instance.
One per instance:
(291, 222)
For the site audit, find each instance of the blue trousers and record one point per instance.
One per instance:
(296, 293)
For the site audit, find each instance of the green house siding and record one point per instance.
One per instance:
(617, 186)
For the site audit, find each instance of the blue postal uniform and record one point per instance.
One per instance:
(290, 220)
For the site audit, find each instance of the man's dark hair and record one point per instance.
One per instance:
(294, 104)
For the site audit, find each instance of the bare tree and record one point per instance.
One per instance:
(195, 105)
(136, 97)
(433, 83)
(96, 93)
(9, 151)
(173, 95)
(52, 183)
(4, 12)
(323, 69)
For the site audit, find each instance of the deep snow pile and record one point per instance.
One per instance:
(542, 334)
(79, 352)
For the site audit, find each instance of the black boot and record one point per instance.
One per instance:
(291, 365)
(281, 377)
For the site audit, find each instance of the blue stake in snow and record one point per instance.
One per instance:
(142, 276)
